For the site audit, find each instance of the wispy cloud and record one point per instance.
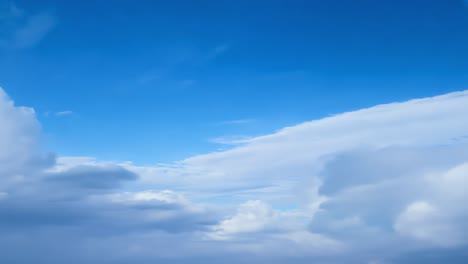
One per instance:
(230, 140)
(9, 11)
(237, 121)
(34, 30)
(148, 77)
(23, 30)
(63, 113)
(59, 113)
(187, 82)
(190, 58)
(218, 51)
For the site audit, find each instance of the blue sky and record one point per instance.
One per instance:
(144, 74)
(233, 131)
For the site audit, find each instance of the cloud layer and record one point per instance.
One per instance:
(380, 185)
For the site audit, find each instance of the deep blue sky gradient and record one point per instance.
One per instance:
(161, 78)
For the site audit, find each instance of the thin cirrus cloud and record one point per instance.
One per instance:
(321, 191)
(34, 30)
(64, 113)
(237, 121)
(23, 30)
(230, 140)
(58, 113)
(181, 57)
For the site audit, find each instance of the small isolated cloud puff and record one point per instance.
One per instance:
(63, 113)
(237, 121)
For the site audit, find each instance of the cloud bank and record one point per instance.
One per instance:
(387, 184)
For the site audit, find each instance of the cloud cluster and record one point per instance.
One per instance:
(378, 185)
(45, 207)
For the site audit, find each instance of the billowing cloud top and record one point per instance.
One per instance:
(380, 185)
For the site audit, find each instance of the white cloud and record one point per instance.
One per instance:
(19, 135)
(149, 196)
(230, 140)
(321, 191)
(440, 221)
(252, 216)
(452, 185)
(81, 200)
(294, 157)
(19, 129)
(421, 220)
(350, 165)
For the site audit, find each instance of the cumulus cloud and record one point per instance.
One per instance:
(44, 205)
(19, 134)
(252, 216)
(439, 220)
(420, 220)
(378, 185)
(19, 129)
(355, 173)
